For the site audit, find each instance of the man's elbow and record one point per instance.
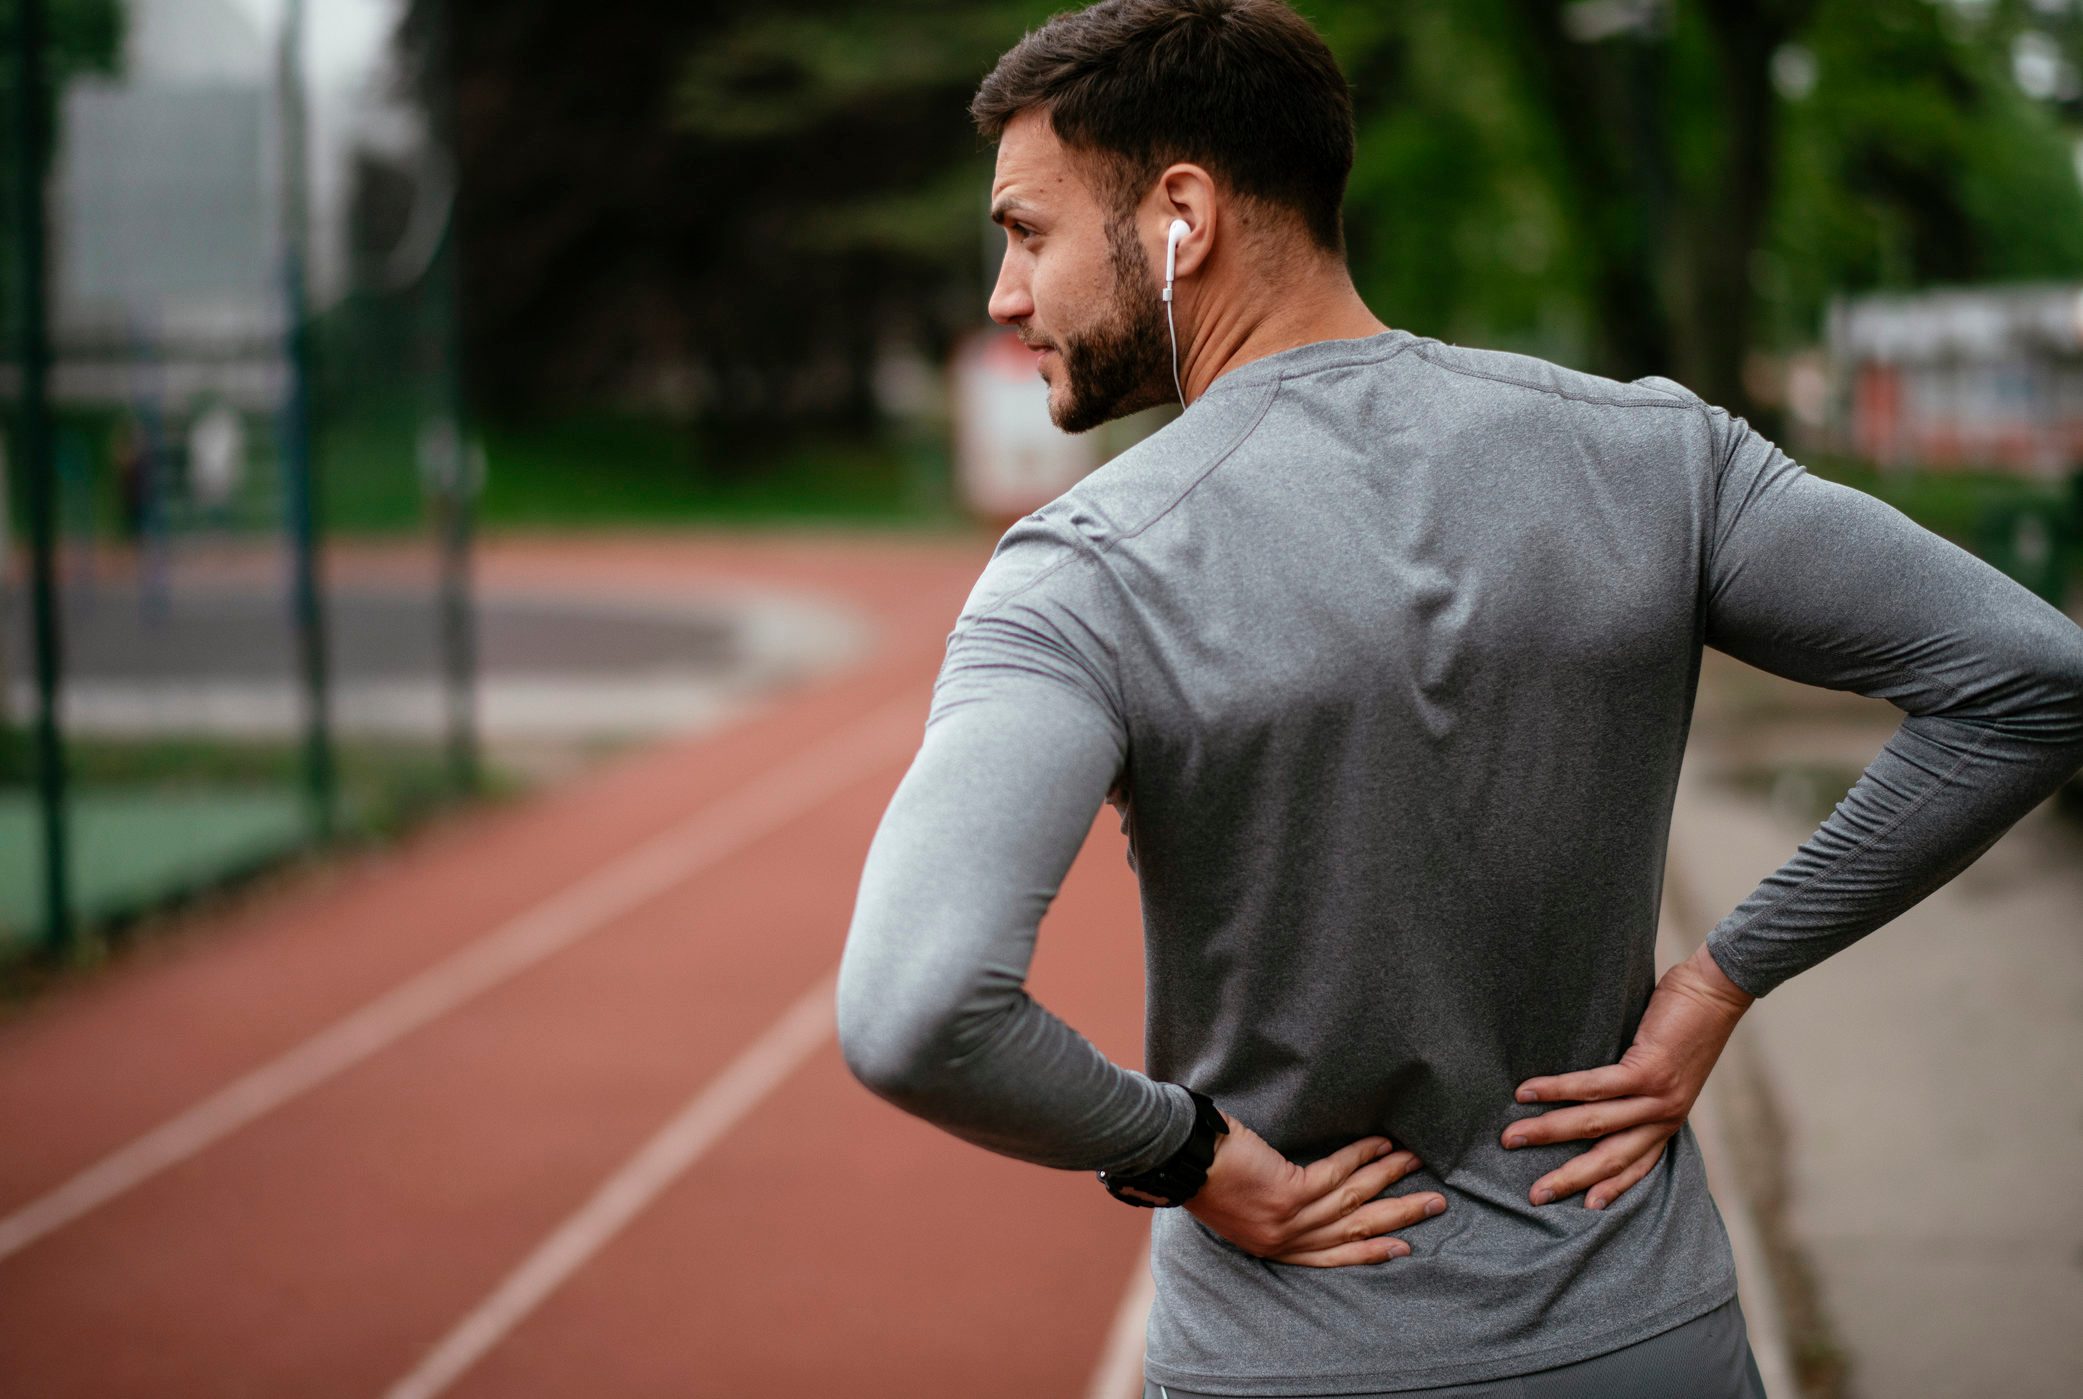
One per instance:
(895, 1039)
(888, 1056)
(2036, 685)
(2064, 683)
(906, 1047)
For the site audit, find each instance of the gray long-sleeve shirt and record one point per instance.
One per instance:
(1387, 650)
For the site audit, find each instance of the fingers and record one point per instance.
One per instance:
(1337, 1221)
(1253, 1193)
(1606, 1191)
(1596, 1119)
(1323, 1176)
(1611, 1158)
(1365, 1225)
(1355, 1191)
(1584, 1086)
(1372, 1251)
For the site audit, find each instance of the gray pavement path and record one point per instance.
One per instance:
(1926, 1079)
(218, 658)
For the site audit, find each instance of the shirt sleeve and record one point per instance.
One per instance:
(1023, 740)
(1824, 584)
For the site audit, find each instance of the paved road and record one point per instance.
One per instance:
(213, 631)
(213, 650)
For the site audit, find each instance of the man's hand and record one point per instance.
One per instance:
(1640, 1103)
(1323, 1215)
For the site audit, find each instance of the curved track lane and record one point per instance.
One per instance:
(474, 1195)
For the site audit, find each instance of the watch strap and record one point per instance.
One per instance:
(1174, 1180)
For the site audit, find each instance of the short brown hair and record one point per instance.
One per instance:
(1244, 87)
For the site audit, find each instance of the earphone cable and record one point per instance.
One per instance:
(1175, 347)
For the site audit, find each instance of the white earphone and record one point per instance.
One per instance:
(1179, 229)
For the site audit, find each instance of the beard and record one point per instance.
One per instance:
(1123, 364)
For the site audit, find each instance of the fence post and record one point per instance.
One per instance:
(39, 464)
(459, 501)
(300, 467)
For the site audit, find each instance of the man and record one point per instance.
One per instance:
(1386, 651)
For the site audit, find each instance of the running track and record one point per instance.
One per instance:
(546, 1101)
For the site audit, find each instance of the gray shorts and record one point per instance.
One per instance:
(1705, 1358)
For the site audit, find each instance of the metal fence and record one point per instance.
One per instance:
(234, 611)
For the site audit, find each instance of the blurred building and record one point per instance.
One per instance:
(165, 216)
(165, 199)
(1983, 378)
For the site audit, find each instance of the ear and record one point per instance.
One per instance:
(1186, 191)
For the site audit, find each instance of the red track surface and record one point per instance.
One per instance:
(826, 1245)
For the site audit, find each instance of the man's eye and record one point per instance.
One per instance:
(1023, 231)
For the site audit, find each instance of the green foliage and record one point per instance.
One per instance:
(1952, 503)
(1916, 159)
(933, 221)
(84, 35)
(1454, 223)
(1515, 187)
(784, 73)
(783, 78)
(766, 190)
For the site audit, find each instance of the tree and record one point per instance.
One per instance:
(761, 193)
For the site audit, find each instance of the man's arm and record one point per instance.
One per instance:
(1824, 584)
(1827, 585)
(1024, 741)
(933, 1011)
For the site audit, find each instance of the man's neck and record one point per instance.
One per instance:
(1237, 330)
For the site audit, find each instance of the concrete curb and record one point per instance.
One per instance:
(1717, 1125)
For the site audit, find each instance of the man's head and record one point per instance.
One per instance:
(1114, 120)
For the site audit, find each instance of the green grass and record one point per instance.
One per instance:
(157, 822)
(581, 471)
(591, 471)
(131, 848)
(599, 470)
(623, 472)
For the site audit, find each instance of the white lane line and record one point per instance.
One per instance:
(697, 1126)
(1119, 1374)
(718, 832)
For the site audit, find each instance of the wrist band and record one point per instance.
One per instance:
(1174, 1180)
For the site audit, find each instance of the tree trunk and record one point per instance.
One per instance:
(1604, 101)
(1726, 220)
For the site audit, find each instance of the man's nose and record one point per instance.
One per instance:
(1009, 300)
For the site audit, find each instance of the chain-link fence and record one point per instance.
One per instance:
(233, 609)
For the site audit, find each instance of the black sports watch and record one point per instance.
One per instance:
(1174, 1180)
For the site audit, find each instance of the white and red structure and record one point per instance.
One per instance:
(1981, 378)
